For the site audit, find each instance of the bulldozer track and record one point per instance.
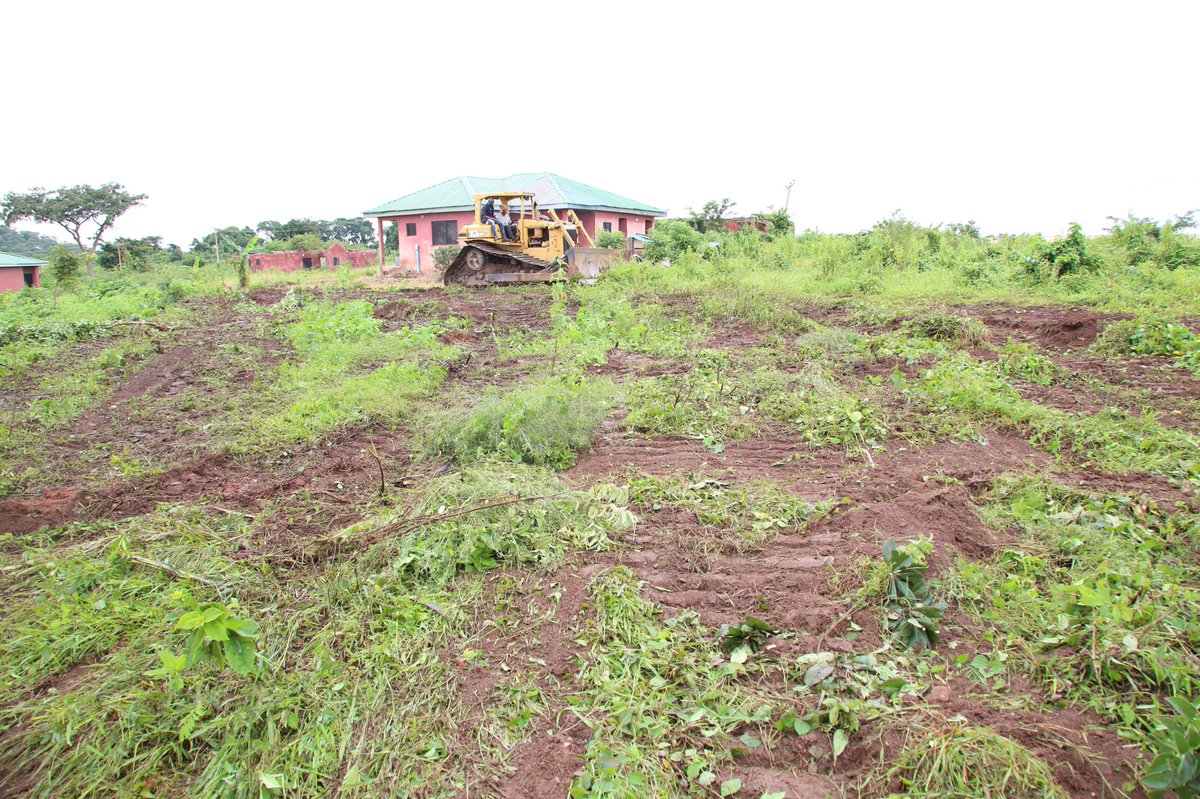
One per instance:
(495, 255)
(499, 253)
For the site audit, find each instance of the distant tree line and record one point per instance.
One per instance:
(25, 242)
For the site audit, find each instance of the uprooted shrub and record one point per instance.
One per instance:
(542, 423)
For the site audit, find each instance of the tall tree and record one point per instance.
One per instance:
(135, 254)
(85, 212)
(353, 230)
(711, 217)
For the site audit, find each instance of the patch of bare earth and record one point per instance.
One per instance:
(1051, 328)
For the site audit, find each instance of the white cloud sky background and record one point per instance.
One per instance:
(1023, 116)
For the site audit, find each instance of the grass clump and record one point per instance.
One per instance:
(543, 423)
(826, 413)
(603, 321)
(704, 403)
(969, 762)
(949, 328)
(716, 401)
(663, 701)
(1021, 360)
(741, 516)
(1153, 336)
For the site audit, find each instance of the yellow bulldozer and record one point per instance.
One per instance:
(532, 249)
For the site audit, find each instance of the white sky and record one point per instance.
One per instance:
(1021, 115)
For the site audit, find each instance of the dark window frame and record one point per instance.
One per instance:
(608, 227)
(410, 228)
(439, 232)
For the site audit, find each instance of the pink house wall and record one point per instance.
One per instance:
(594, 222)
(12, 278)
(423, 236)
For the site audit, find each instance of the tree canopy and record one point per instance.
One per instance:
(356, 231)
(233, 240)
(85, 212)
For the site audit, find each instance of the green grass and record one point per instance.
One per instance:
(1099, 601)
(349, 373)
(349, 684)
(663, 717)
(1110, 439)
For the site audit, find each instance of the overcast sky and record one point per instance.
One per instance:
(1022, 116)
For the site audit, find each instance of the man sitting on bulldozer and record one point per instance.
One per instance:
(507, 229)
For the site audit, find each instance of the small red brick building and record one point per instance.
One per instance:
(292, 260)
(19, 271)
(432, 217)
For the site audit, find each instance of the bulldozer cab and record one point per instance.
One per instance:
(547, 236)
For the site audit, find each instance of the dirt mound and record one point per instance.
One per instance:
(53, 508)
(1055, 329)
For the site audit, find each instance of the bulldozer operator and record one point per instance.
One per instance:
(498, 220)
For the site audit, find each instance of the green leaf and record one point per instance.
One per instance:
(190, 620)
(243, 627)
(841, 740)
(239, 654)
(775, 795)
(802, 727)
(171, 662)
(194, 648)
(730, 787)
(215, 631)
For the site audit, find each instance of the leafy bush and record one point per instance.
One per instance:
(214, 633)
(1153, 337)
(542, 423)
(670, 239)
(444, 256)
(911, 610)
(1069, 254)
(610, 239)
(65, 265)
(1176, 765)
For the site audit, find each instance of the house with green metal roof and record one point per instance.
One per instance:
(431, 217)
(19, 271)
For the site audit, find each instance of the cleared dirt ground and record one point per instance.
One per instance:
(159, 412)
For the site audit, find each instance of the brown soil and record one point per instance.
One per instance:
(1056, 329)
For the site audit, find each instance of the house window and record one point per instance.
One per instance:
(608, 227)
(29, 278)
(258, 261)
(335, 260)
(307, 263)
(410, 229)
(444, 233)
